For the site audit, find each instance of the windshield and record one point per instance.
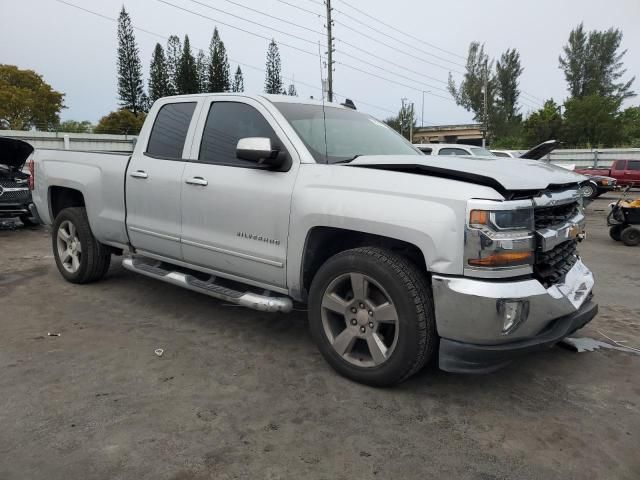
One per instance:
(481, 152)
(348, 133)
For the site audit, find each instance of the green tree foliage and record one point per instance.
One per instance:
(187, 80)
(159, 83)
(74, 126)
(202, 67)
(592, 64)
(469, 94)
(130, 85)
(273, 77)
(402, 122)
(545, 124)
(120, 122)
(26, 100)
(630, 119)
(508, 71)
(174, 53)
(291, 91)
(592, 121)
(219, 79)
(238, 81)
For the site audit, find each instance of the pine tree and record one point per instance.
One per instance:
(202, 67)
(130, 84)
(187, 80)
(174, 53)
(238, 81)
(273, 77)
(159, 83)
(219, 80)
(292, 92)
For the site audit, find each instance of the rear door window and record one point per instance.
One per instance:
(634, 165)
(619, 165)
(453, 151)
(169, 130)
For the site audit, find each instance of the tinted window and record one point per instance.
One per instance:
(619, 165)
(634, 165)
(425, 150)
(481, 152)
(227, 123)
(452, 151)
(170, 130)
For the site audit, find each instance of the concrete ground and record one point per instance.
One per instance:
(242, 394)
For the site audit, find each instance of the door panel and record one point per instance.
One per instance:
(235, 217)
(633, 171)
(153, 205)
(154, 181)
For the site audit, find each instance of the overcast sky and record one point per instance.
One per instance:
(76, 51)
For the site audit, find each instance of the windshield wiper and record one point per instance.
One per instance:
(347, 160)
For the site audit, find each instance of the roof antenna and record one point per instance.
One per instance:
(324, 115)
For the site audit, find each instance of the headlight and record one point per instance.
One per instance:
(499, 241)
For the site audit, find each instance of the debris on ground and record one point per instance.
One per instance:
(585, 344)
(159, 352)
(49, 334)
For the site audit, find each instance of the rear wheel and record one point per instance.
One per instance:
(630, 236)
(615, 232)
(79, 256)
(371, 315)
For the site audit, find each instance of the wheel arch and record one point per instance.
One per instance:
(324, 242)
(60, 198)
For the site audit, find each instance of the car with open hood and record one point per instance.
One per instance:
(15, 197)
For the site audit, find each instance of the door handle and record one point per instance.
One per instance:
(139, 174)
(197, 181)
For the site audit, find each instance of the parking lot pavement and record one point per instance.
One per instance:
(244, 394)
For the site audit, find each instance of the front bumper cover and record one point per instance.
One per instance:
(459, 357)
(471, 323)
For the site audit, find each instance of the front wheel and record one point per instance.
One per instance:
(371, 316)
(79, 256)
(589, 190)
(615, 231)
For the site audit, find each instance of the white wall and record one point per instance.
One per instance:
(74, 141)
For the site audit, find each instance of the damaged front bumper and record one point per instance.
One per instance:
(484, 324)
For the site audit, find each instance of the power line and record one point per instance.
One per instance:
(407, 44)
(315, 14)
(403, 33)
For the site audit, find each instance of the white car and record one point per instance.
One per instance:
(453, 149)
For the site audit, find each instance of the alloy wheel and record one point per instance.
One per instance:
(360, 320)
(69, 246)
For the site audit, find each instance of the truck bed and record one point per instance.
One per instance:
(99, 176)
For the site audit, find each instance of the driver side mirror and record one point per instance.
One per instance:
(260, 151)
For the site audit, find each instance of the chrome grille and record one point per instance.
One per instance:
(20, 196)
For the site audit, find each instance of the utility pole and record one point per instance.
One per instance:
(330, 51)
(411, 125)
(402, 116)
(485, 116)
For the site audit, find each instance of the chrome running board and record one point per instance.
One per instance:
(209, 287)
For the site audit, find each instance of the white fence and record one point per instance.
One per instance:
(74, 141)
(593, 158)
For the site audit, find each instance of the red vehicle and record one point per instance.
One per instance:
(626, 172)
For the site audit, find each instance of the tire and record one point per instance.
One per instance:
(615, 232)
(630, 236)
(80, 258)
(589, 190)
(392, 285)
(27, 221)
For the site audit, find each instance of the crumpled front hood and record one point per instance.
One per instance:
(503, 174)
(14, 153)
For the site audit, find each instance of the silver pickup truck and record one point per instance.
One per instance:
(402, 258)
